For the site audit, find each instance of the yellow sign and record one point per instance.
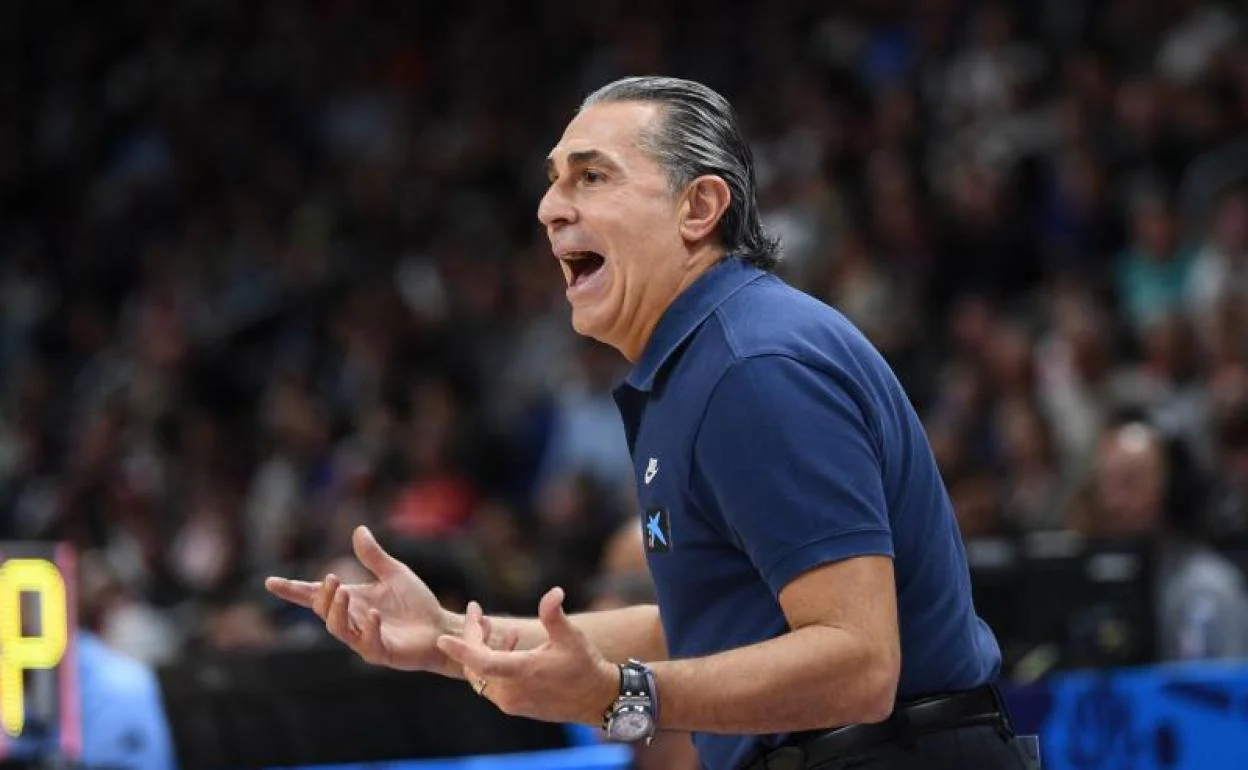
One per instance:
(40, 580)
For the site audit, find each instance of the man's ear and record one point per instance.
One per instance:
(706, 200)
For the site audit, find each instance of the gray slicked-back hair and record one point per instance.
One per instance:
(699, 135)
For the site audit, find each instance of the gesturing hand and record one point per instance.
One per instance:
(394, 621)
(565, 679)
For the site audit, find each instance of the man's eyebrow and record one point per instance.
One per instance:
(581, 158)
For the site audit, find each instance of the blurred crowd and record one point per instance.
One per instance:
(272, 270)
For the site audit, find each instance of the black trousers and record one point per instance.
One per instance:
(980, 747)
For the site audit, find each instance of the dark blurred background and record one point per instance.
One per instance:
(270, 270)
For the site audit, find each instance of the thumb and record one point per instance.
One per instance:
(550, 612)
(372, 555)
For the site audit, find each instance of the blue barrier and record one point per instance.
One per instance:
(604, 757)
(587, 752)
(1178, 717)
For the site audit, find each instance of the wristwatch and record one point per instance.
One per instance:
(634, 715)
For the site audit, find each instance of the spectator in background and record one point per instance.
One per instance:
(1190, 47)
(576, 515)
(984, 224)
(439, 497)
(900, 227)
(1144, 149)
(985, 80)
(1037, 490)
(1139, 490)
(124, 726)
(1219, 278)
(1079, 227)
(239, 624)
(1228, 514)
(1165, 382)
(1155, 270)
(872, 296)
(295, 433)
(511, 563)
(1075, 372)
(123, 617)
(586, 434)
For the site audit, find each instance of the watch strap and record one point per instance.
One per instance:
(633, 682)
(652, 691)
(637, 691)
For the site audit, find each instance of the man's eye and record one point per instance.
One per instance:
(591, 176)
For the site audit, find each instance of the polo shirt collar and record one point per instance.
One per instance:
(686, 313)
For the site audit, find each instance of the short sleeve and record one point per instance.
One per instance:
(788, 461)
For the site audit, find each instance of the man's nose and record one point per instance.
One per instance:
(555, 209)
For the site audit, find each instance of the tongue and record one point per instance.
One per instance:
(586, 267)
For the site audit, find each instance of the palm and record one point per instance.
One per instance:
(393, 621)
(411, 619)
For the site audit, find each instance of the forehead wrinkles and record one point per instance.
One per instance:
(623, 131)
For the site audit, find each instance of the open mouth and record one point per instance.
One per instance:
(583, 265)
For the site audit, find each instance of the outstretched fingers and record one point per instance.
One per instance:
(300, 592)
(373, 556)
(509, 640)
(480, 659)
(325, 596)
(338, 618)
(472, 650)
(558, 626)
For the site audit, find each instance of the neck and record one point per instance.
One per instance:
(695, 263)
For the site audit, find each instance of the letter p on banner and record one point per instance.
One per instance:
(20, 652)
(38, 672)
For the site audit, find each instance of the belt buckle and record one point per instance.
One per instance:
(785, 758)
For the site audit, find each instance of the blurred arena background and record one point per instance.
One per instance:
(270, 270)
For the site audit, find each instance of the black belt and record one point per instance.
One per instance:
(910, 720)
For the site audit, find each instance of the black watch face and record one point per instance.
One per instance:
(630, 726)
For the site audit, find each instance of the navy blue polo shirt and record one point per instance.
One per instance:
(769, 437)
